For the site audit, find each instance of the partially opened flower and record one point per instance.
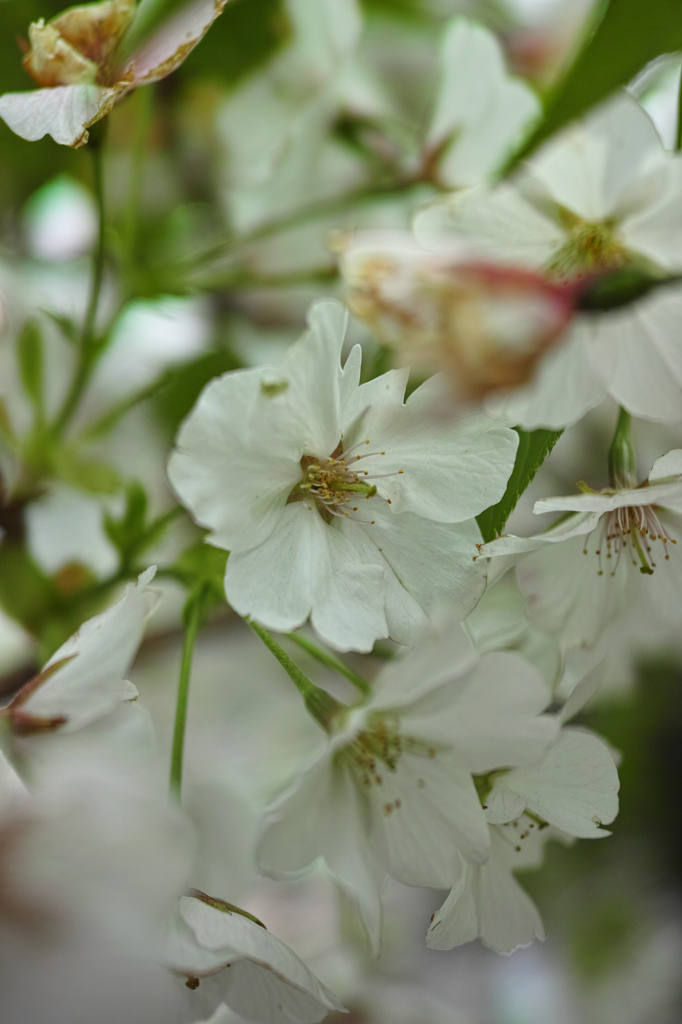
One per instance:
(616, 548)
(337, 501)
(85, 679)
(486, 325)
(394, 792)
(226, 956)
(604, 195)
(74, 58)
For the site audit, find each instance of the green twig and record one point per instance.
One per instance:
(622, 461)
(88, 348)
(144, 109)
(321, 208)
(322, 706)
(678, 134)
(330, 661)
(193, 621)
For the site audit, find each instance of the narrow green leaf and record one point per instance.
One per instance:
(30, 355)
(621, 38)
(534, 447)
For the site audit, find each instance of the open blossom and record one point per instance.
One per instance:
(485, 325)
(570, 792)
(225, 956)
(604, 195)
(74, 59)
(85, 679)
(618, 549)
(394, 791)
(336, 500)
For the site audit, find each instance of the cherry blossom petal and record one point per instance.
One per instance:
(92, 681)
(173, 41)
(425, 813)
(326, 818)
(563, 389)
(490, 905)
(306, 567)
(492, 721)
(228, 467)
(267, 981)
(574, 787)
(65, 112)
(479, 105)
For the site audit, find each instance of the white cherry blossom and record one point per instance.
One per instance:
(615, 549)
(603, 195)
(338, 501)
(393, 793)
(568, 793)
(85, 680)
(224, 956)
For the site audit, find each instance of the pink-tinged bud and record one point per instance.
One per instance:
(485, 325)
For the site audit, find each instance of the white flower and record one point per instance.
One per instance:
(73, 56)
(338, 501)
(224, 956)
(480, 111)
(571, 791)
(488, 903)
(604, 195)
(91, 864)
(85, 679)
(617, 550)
(393, 793)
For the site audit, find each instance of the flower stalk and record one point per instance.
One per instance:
(193, 621)
(332, 662)
(88, 347)
(321, 705)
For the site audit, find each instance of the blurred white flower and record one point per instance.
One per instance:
(225, 956)
(602, 196)
(273, 462)
(85, 679)
(480, 112)
(64, 526)
(393, 793)
(61, 220)
(616, 549)
(486, 325)
(91, 864)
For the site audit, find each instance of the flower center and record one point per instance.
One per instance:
(379, 747)
(589, 246)
(634, 529)
(336, 483)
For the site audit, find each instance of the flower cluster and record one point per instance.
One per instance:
(348, 487)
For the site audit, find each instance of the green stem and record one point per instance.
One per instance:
(144, 100)
(678, 134)
(194, 609)
(88, 350)
(330, 661)
(322, 706)
(304, 214)
(622, 462)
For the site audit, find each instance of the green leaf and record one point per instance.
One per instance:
(534, 447)
(621, 38)
(201, 569)
(30, 354)
(87, 474)
(184, 384)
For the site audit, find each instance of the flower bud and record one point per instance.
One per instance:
(485, 325)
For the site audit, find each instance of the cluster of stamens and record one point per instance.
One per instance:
(633, 528)
(516, 831)
(590, 246)
(379, 748)
(336, 482)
